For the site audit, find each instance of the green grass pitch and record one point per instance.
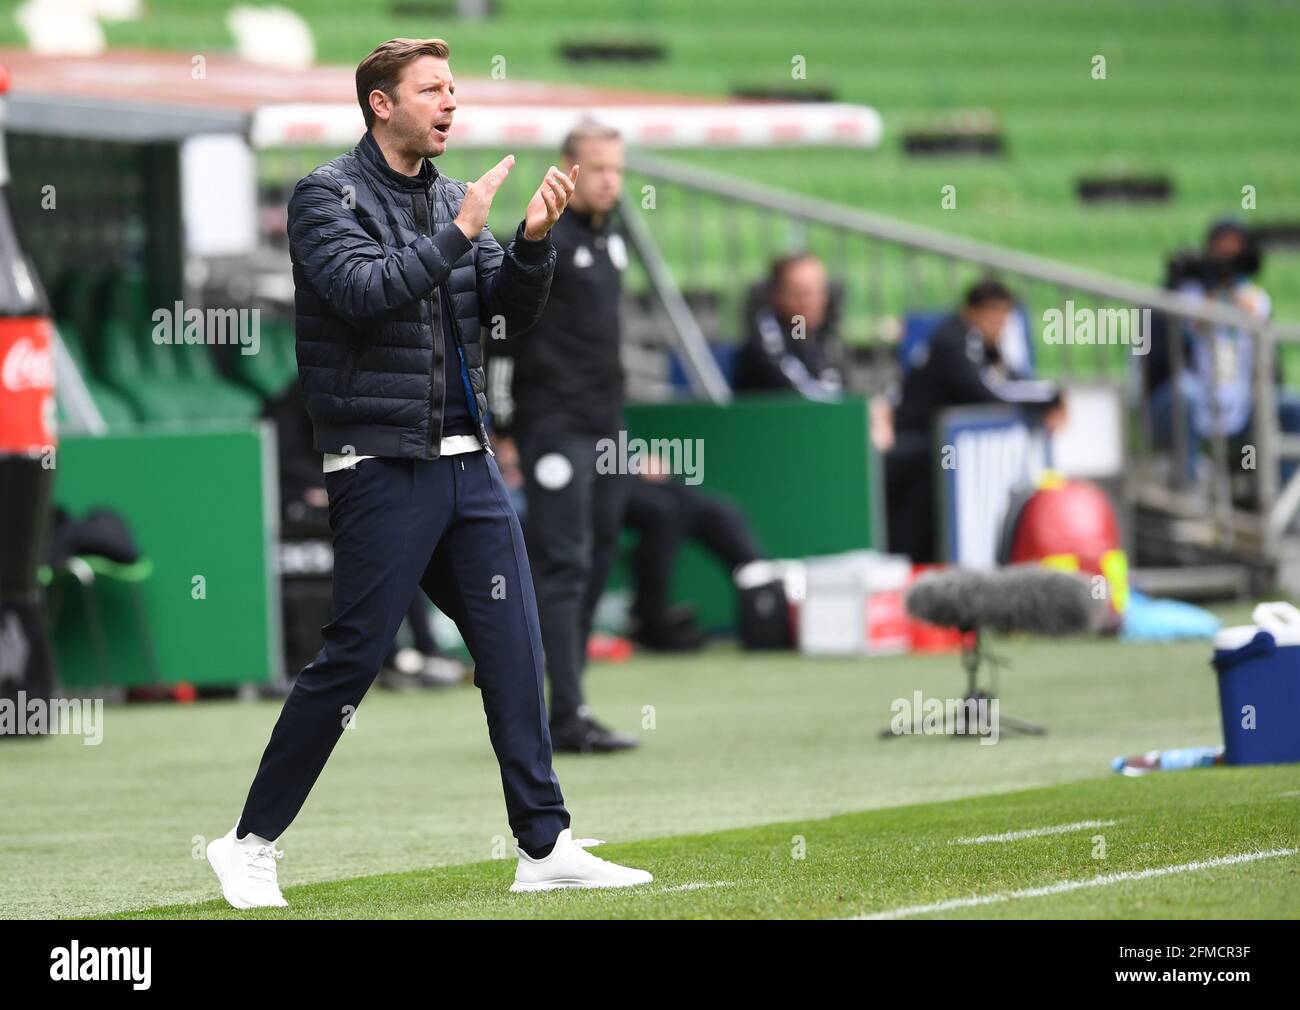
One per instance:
(762, 789)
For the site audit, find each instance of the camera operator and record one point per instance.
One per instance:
(1214, 385)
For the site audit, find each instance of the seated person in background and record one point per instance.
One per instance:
(961, 367)
(790, 340)
(667, 513)
(1215, 386)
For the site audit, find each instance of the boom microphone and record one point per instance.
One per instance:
(1030, 598)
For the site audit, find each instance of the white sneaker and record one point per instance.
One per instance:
(571, 865)
(246, 869)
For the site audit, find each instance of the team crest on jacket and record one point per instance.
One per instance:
(553, 471)
(583, 258)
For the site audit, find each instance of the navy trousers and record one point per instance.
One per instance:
(445, 526)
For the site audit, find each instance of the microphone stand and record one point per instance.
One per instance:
(974, 654)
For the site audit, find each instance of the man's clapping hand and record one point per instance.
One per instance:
(544, 209)
(548, 203)
(478, 198)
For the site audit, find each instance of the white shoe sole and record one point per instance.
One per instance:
(214, 851)
(571, 883)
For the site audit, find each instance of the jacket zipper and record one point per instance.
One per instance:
(471, 401)
(423, 211)
(463, 371)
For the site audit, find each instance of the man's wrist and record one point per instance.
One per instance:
(528, 249)
(452, 242)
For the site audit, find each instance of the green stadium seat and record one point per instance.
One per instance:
(169, 383)
(275, 366)
(84, 572)
(114, 408)
(119, 359)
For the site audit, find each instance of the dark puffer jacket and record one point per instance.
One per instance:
(370, 249)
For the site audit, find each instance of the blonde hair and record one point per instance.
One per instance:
(587, 129)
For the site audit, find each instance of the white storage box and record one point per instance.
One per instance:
(853, 605)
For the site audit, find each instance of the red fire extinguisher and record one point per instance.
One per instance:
(1071, 525)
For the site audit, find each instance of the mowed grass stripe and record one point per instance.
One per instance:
(1015, 836)
(884, 861)
(1074, 885)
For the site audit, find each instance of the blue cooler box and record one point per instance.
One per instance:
(1259, 686)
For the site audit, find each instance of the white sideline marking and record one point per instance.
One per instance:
(698, 885)
(1290, 793)
(1015, 836)
(1076, 885)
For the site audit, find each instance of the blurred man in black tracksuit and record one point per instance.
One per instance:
(558, 394)
(962, 367)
